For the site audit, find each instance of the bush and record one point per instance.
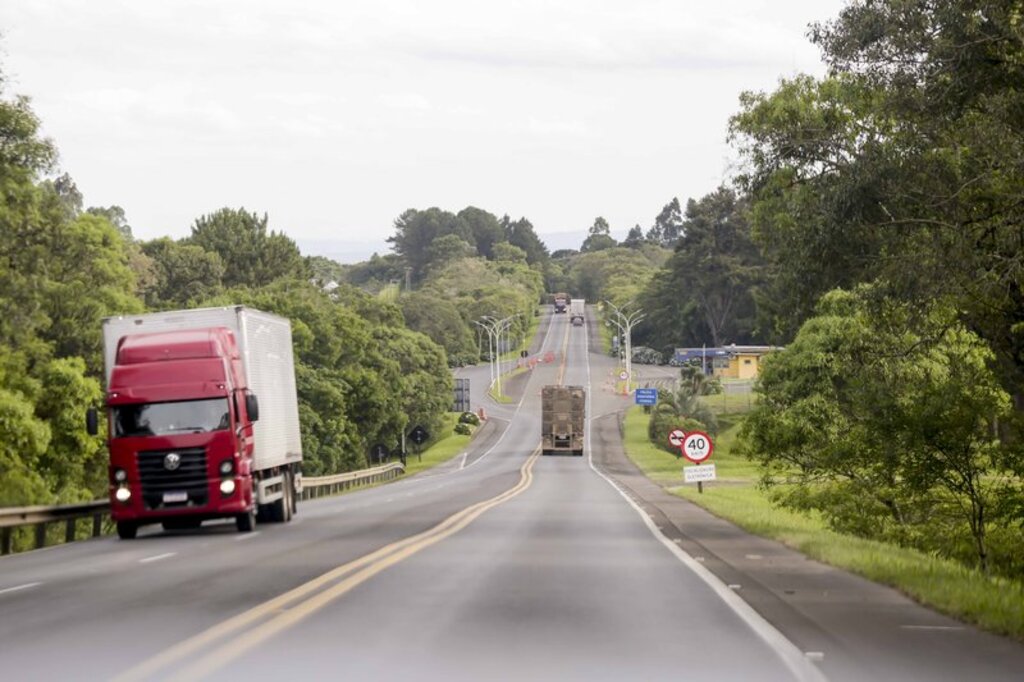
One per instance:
(469, 418)
(647, 356)
(463, 429)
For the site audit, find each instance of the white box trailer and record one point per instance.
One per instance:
(576, 309)
(265, 344)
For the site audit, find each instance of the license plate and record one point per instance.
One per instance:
(177, 496)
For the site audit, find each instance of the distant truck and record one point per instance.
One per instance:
(563, 415)
(561, 301)
(576, 307)
(203, 418)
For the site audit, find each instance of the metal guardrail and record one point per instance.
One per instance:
(322, 486)
(70, 514)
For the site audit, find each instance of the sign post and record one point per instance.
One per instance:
(697, 447)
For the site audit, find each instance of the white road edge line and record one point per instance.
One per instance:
(791, 655)
(158, 557)
(250, 536)
(19, 588)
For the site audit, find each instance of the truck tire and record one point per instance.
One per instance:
(291, 489)
(246, 521)
(126, 530)
(281, 509)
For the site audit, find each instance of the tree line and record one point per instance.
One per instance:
(363, 375)
(876, 230)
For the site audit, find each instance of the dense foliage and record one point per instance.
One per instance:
(363, 376)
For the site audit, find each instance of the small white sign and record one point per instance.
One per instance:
(702, 472)
(623, 375)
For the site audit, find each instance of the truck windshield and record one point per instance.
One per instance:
(158, 419)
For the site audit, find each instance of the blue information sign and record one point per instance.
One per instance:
(646, 396)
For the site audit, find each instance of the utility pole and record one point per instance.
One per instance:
(625, 320)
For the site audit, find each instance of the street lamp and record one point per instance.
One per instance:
(625, 321)
(494, 328)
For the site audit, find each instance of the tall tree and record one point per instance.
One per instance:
(484, 228)
(903, 166)
(715, 268)
(598, 237)
(668, 225)
(252, 256)
(520, 233)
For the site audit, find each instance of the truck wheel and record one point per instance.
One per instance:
(246, 521)
(280, 509)
(126, 530)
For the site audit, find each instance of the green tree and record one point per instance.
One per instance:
(598, 237)
(883, 419)
(635, 238)
(185, 273)
(439, 318)
(252, 256)
(668, 225)
(484, 228)
(520, 233)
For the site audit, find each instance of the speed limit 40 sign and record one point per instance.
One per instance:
(697, 446)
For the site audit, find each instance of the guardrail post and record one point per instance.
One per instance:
(5, 540)
(41, 535)
(69, 529)
(97, 525)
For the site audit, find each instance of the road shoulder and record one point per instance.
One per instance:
(856, 628)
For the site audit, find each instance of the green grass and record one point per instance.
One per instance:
(447, 446)
(995, 604)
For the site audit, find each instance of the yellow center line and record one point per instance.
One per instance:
(280, 617)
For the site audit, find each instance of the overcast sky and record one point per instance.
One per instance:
(334, 117)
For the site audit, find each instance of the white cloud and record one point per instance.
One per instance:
(329, 114)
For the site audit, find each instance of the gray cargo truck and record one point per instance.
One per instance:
(563, 415)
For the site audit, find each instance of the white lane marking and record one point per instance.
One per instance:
(942, 628)
(464, 456)
(158, 557)
(247, 536)
(793, 658)
(19, 588)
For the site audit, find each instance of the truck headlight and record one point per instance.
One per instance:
(123, 494)
(226, 467)
(227, 486)
(120, 475)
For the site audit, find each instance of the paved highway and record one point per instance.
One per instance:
(499, 565)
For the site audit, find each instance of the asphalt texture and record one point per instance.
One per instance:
(498, 565)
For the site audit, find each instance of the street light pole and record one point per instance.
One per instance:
(625, 320)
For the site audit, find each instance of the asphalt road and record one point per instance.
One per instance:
(500, 565)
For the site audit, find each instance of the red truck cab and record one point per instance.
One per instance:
(180, 431)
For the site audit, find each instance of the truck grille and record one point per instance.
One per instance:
(188, 477)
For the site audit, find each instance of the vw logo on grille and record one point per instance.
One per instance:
(172, 461)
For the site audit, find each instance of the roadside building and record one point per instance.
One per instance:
(732, 362)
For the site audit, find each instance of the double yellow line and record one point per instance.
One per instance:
(260, 623)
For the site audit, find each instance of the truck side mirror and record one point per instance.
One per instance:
(92, 421)
(252, 407)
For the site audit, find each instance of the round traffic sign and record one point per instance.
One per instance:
(675, 437)
(623, 375)
(697, 447)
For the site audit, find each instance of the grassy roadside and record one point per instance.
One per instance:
(995, 604)
(441, 450)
